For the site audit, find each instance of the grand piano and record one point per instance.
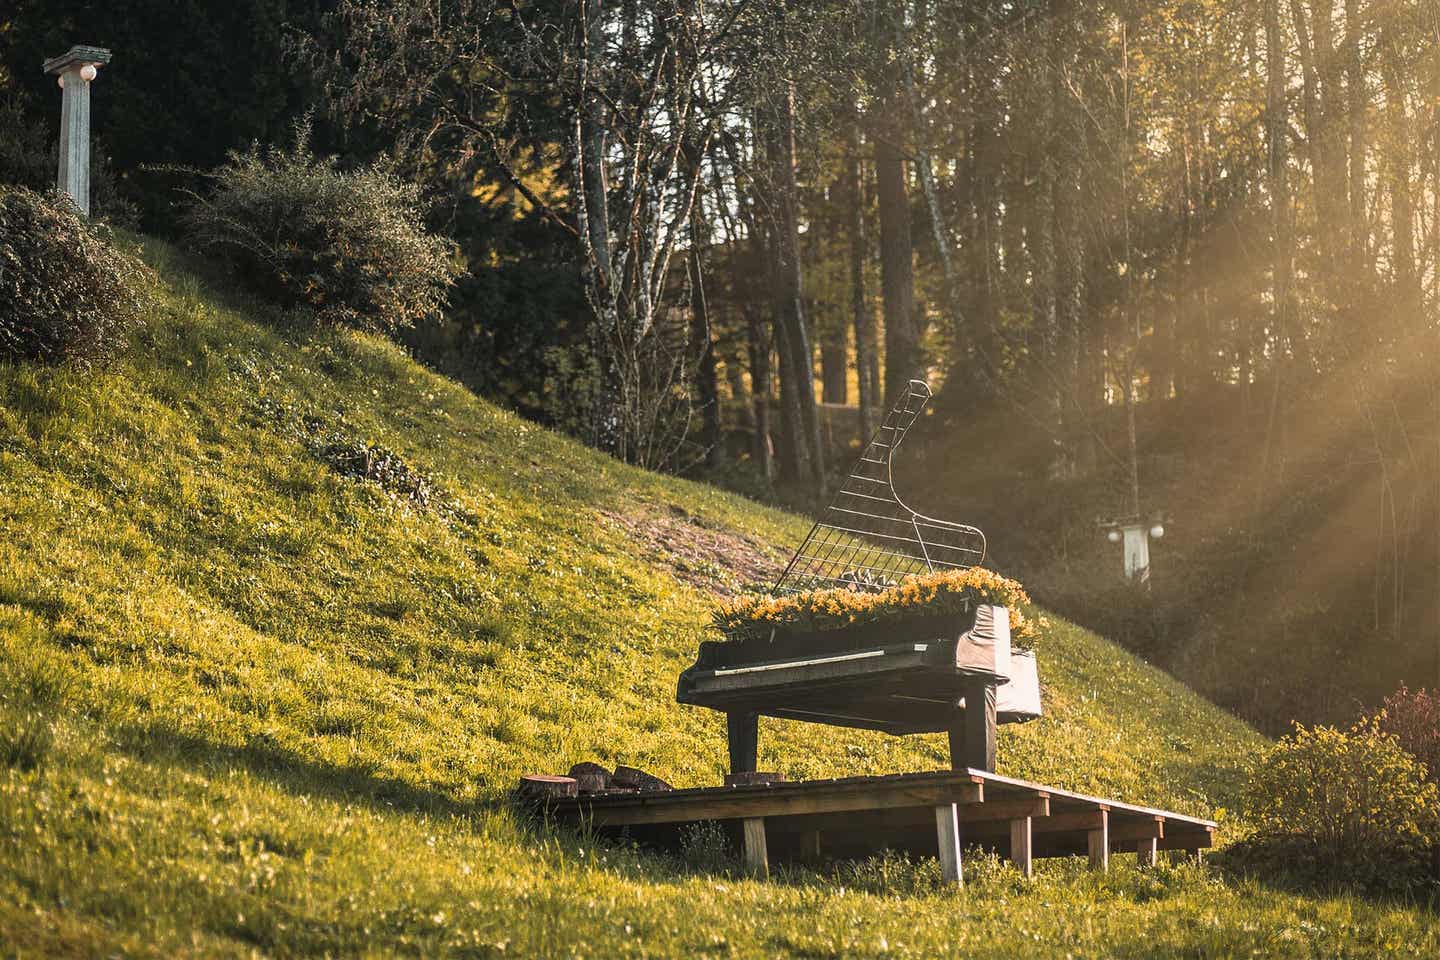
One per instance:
(953, 674)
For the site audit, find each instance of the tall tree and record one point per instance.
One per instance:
(797, 375)
(904, 360)
(867, 368)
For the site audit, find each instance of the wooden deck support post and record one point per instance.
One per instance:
(743, 732)
(757, 858)
(1146, 851)
(972, 737)
(810, 846)
(1098, 842)
(1021, 848)
(947, 833)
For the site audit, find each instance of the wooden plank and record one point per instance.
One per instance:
(737, 804)
(1127, 830)
(1058, 794)
(1098, 842)
(1072, 821)
(757, 859)
(1021, 846)
(1145, 852)
(1005, 809)
(1177, 838)
(947, 835)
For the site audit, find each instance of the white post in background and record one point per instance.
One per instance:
(74, 70)
(1137, 551)
(1134, 537)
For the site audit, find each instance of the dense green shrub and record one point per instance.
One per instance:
(1341, 808)
(348, 244)
(30, 153)
(65, 292)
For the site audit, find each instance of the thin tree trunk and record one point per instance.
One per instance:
(702, 341)
(866, 368)
(1069, 262)
(1132, 310)
(594, 229)
(1317, 57)
(759, 348)
(903, 358)
(797, 384)
(834, 364)
(1277, 133)
(981, 172)
(925, 174)
(1398, 163)
(1358, 104)
(758, 340)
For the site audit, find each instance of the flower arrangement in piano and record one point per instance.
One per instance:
(948, 591)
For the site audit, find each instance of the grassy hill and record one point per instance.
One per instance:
(251, 702)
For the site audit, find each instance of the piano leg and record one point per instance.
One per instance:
(972, 733)
(743, 730)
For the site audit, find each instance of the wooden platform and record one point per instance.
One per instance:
(920, 813)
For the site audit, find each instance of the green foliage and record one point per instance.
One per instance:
(1345, 807)
(191, 80)
(295, 704)
(351, 245)
(705, 848)
(891, 874)
(29, 154)
(66, 293)
(1412, 717)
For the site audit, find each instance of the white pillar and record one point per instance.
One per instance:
(1137, 551)
(74, 71)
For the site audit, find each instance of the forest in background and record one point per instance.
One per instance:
(1171, 259)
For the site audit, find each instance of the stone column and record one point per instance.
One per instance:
(74, 71)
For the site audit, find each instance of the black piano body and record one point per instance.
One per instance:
(952, 674)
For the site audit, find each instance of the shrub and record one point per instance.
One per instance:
(65, 292)
(1345, 808)
(348, 244)
(30, 152)
(1413, 719)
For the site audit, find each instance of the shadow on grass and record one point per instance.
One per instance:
(1290, 865)
(296, 774)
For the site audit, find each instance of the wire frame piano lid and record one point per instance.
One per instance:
(867, 538)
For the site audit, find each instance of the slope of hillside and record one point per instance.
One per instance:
(249, 702)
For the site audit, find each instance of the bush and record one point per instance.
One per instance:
(65, 292)
(349, 245)
(1413, 719)
(1341, 808)
(30, 153)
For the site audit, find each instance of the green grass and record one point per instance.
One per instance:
(249, 704)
